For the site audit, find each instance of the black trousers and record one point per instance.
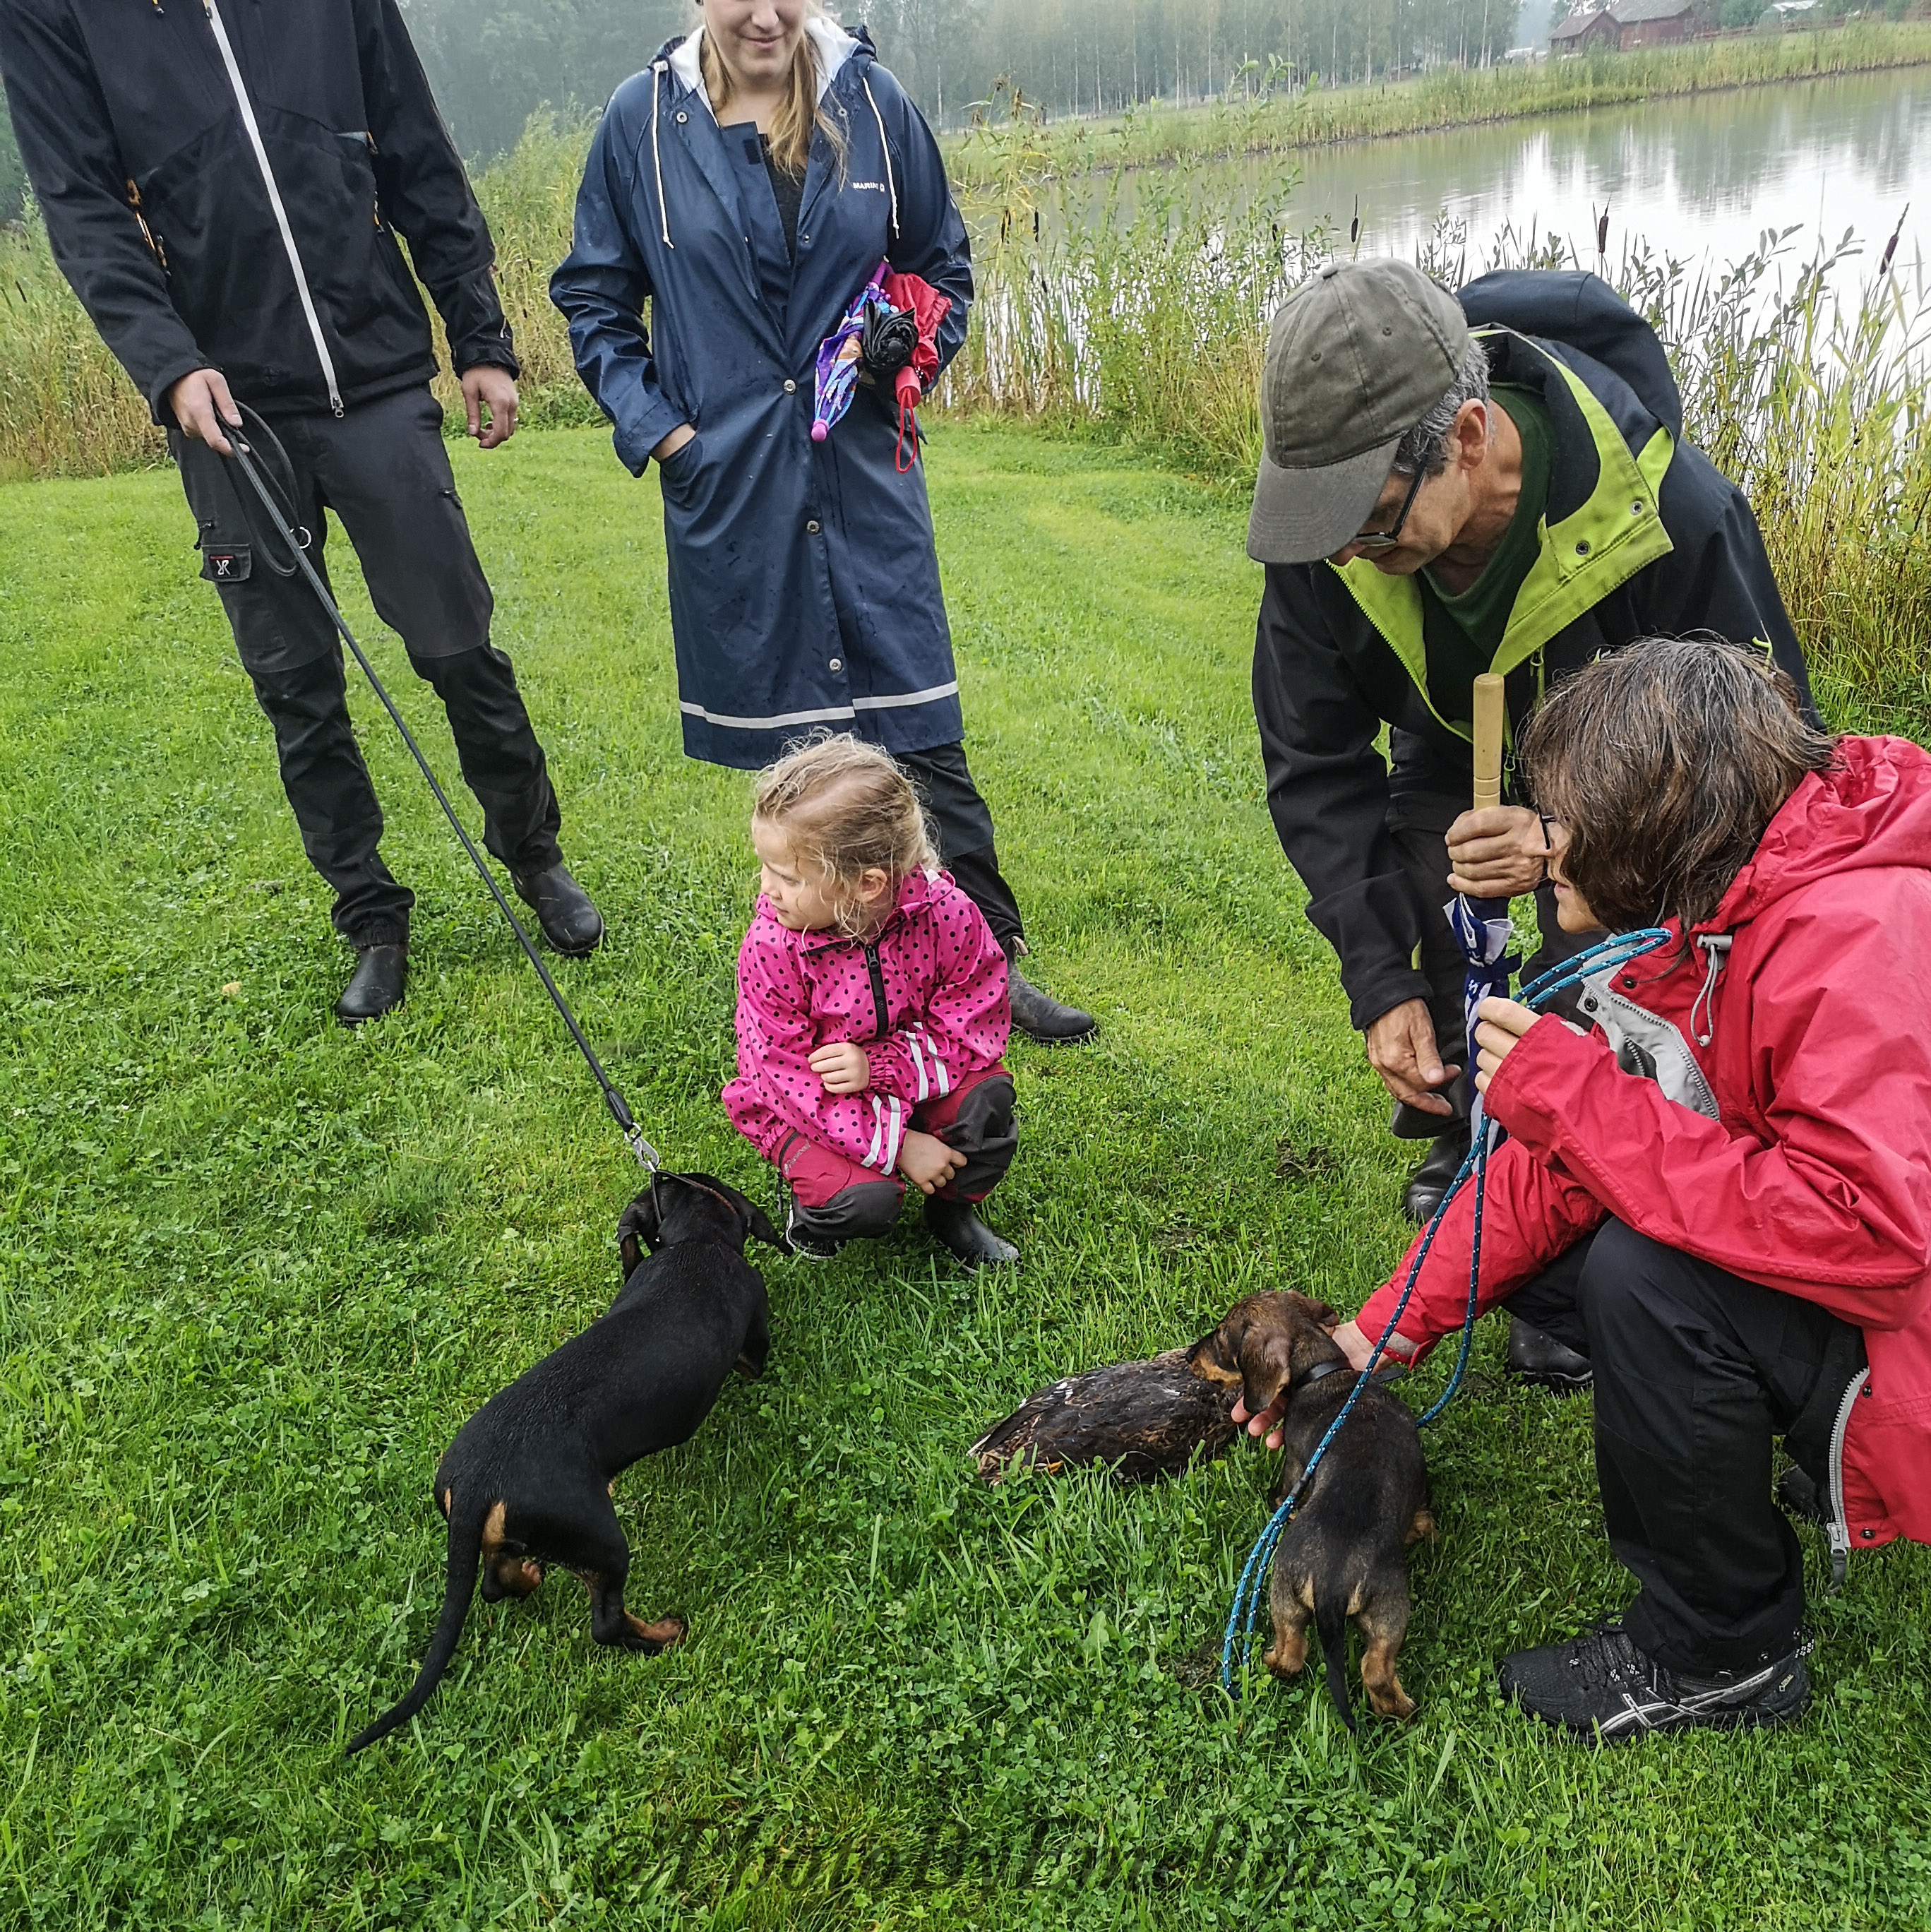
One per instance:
(383, 470)
(1422, 804)
(961, 823)
(1697, 1371)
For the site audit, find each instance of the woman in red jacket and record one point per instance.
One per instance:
(1723, 1193)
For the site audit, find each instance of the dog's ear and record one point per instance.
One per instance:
(758, 1223)
(637, 1230)
(1266, 1367)
(1320, 1314)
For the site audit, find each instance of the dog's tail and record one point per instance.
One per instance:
(465, 1550)
(1330, 1619)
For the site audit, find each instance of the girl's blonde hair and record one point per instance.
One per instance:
(846, 807)
(799, 115)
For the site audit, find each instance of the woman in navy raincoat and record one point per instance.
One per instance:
(804, 583)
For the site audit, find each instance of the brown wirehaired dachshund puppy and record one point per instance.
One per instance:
(529, 1479)
(1341, 1554)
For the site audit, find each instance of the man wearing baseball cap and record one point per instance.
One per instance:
(1492, 480)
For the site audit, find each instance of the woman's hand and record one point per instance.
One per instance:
(1503, 1023)
(845, 1068)
(674, 442)
(925, 1161)
(1497, 852)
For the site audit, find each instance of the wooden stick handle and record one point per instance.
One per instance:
(1487, 740)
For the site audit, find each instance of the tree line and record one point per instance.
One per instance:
(493, 62)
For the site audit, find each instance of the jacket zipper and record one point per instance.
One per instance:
(248, 122)
(878, 988)
(1839, 1527)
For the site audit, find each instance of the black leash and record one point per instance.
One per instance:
(297, 550)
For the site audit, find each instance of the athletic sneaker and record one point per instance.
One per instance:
(1600, 1685)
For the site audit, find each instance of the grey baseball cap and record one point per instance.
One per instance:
(1357, 356)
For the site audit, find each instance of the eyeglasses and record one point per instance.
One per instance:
(1386, 539)
(1549, 822)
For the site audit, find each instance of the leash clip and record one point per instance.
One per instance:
(646, 1154)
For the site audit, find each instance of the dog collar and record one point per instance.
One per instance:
(1320, 1369)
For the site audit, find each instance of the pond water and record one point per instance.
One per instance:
(1701, 177)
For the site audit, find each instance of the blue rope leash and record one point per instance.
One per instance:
(1241, 1619)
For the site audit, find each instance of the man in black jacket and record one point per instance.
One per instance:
(224, 185)
(1453, 484)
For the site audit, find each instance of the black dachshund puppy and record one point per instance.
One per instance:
(1342, 1554)
(529, 1479)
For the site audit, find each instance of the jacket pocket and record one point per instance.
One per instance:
(677, 473)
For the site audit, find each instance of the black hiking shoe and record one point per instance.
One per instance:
(1601, 1687)
(953, 1223)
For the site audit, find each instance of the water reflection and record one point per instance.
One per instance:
(1701, 177)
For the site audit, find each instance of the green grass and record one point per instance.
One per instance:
(1447, 97)
(255, 1270)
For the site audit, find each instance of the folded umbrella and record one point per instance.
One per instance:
(891, 332)
(838, 357)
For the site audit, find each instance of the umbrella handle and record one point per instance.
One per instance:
(1488, 727)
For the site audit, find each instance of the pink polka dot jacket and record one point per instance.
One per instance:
(925, 996)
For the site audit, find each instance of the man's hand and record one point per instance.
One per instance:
(1502, 1023)
(673, 443)
(487, 388)
(1496, 852)
(1355, 1346)
(201, 404)
(1401, 1049)
(925, 1161)
(845, 1068)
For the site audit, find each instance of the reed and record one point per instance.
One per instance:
(1450, 96)
(1804, 373)
(1803, 376)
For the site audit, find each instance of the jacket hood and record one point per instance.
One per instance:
(831, 48)
(1871, 809)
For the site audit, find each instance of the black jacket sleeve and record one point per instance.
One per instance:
(426, 195)
(66, 142)
(1327, 790)
(1718, 578)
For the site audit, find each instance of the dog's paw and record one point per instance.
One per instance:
(1390, 1702)
(1287, 1657)
(648, 1639)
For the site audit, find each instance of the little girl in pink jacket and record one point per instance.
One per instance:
(872, 1011)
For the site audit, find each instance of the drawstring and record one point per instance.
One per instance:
(657, 71)
(1717, 945)
(891, 185)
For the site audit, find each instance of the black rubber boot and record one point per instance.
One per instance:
(1431, 1179)
(375, 986)
(570, 923)
(958, 1226)
(1541, 1360)
(1042, 1018)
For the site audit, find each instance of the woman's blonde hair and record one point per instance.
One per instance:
(846, 807)
(799, 115)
